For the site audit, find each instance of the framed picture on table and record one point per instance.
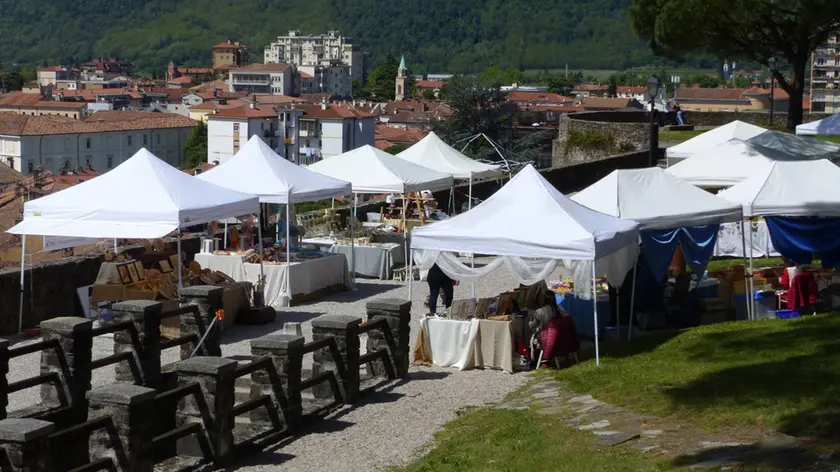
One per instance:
(173, 261)
(141, 272)
(165, 267)
(462, 309)
(132, 272)
(125, 276)
(506, 302)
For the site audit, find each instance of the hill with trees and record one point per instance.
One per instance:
(435, 36)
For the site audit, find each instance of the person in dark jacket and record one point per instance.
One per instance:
(438, 281)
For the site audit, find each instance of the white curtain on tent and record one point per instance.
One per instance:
(530, 271)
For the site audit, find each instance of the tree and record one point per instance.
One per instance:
(195, 149)
(561, 85)
(396, 149)
(360, 90)
(382, 80)
(11, 81)
(612, 88)
(788, 30)
(429, 94)
(478, 106)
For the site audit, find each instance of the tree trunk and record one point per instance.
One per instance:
(795, 90)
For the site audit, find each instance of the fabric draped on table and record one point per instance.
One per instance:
(799, 238)
(697, 243)
(530, 271)
(729, 242)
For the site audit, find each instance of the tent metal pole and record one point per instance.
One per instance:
(22, 285)
(752, 283)
(470, 196)
(353, 236)
(410, 272)
(472, 266)
(595, 315)
(225, 236)
(618, 313)
(116, 247)
(632, 303)
(288, 256)
(744, 253)
(180, 264)
(405, 225)
(261, 283)
(452, 200)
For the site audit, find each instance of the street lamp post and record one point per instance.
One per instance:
(772, 64)
(653, 91)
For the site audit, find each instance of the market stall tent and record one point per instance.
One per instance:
(709, 139)
(797, 145)
(656, 200)
(142, 198)
(526, 219)
(435, 154)
(829, 126)
(370, 170)
(669, 212)
(258, 170)
(727, 164)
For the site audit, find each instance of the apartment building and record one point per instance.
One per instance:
(228, 129)
(329, 130)
(312, 50)
(34, 104)
(101, 142)
(825, 76)
(229, 54)
(276, 79)
(332, 79)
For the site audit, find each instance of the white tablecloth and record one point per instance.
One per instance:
(373, 261)
(306, 276)
(729, 241)
(468, 344)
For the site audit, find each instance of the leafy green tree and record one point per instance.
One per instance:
(396, 149)
(195, 149)
(612, 88)
(758, 30)
(478, 107)
(360, 90)
(428, 94)
(381, 81)
(704, 81)
(11, 81)
(561, 85)
(742, 82)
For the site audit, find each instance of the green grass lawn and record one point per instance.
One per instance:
(779, 374)
(728, 262)
(500, 440)
(676, 137)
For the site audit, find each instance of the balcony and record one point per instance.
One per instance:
(251, 80)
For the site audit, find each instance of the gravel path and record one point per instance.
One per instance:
(393, 427)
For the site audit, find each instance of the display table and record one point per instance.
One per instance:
(371, 260)
(305, 280)
(582, 314)
(466, 344)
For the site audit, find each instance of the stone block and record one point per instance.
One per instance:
(25, 444)
(343, 329)
(207, 299)
(75, 339)
(145, 315)
(121, 394)
(132, 412)
(24, 429)
(336, 322)
(389, 305)
(286, 354)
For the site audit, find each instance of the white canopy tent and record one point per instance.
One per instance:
(806, 188)
(710, 139)
(435, 154)
(726, 164)
(656, 200)
(142, 198)
(527, 219)
(370, 170)
(829, 126)
(258, 170)
(797, 145)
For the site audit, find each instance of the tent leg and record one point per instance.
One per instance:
(595, 316)
(261, 282)
(22, 285)
(632, 303)
(469, 207)
(618, 313)
(452, 200)
(404, 226)
(410, 272)
(750, 275)
(225, 237)
(288, 256)
(180, 264)
(353, 238)
(116, 247)
(744, 253)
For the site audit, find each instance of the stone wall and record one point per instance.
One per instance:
(582, 141)
(50, 288)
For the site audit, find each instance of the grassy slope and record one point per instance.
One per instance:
(498, 440)
(774, 373)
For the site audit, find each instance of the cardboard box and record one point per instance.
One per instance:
(106, 293)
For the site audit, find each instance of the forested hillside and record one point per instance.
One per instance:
(435, 35)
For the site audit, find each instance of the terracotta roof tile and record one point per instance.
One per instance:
(334, 112)
(184, 79)
(606, 103)
(631, 89)
(101, 122)
(246, 112)
(429, 84)
(518, 96)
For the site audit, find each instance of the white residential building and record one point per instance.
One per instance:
(275, 79)
(311, 50)
(229, 129)
(329, 130)
(333, 80)
(825, 76)
(54, 143)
